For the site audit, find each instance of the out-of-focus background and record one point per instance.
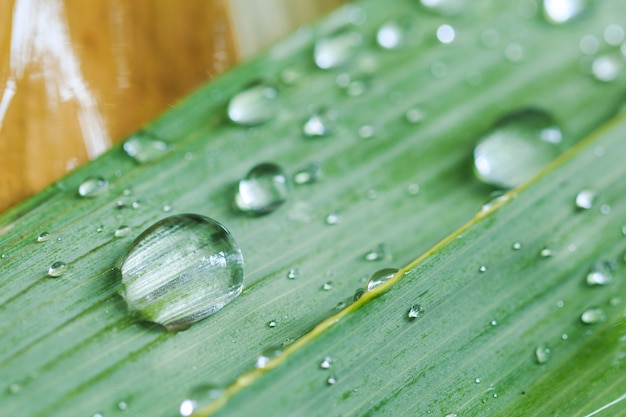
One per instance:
(76, 76)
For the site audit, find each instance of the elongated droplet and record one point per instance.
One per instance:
(180, 270)
(542, 354)
(43, 237)
(379, 277)
(358, 294)
(332, 380)
(592, 316)
(584, 199)
(200, 397)
(255, 105)
(143, 148)
(267, 355)
(562, 11)
(93, 186)
(415, 311)
(309, 174)
(337, 50)
(122, 231)
(518, 147)
(394, 34)
(446, 7)
(262, 190)
(57, 269)
(600, 274)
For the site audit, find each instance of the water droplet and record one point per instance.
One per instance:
(490, 38)
(584, 199)
(482, 268)
(542, 354)
(272, 323)
(93, 186)
(377, 254)
(309, 174)
(393, 34)
(122, 406)
(560, 304)
(413, 189)
(605, 209)
(327, 286)
(262, 190)
(319, 124)
(136, 205)
(415, 311)
(293, 273)
(592, 316)
(332, 380)
(624, 230)
(518, 147)
(517, 246)
(564, 336)
(494, 323)
(358, 294)
(326, 363)
(589, 45)
(167, 208)
(451, 415)
(57, 269)
(445, 34)
(255, 105)
(562, 11)
(614, 35)
(143, 148)
(43, 237)
(477, 380)
(199, 397)
(514, 52)
(333, 219)
(545, 252)
(180, 270)
(267, 355)
(15, 388)
(445, 7)
(337, 50)
(122, 231)
(379, 277)
(414, 115)
(98, 415)
(366, 131)
(606, 68)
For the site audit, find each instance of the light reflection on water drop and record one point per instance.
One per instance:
(379, 277)
(334, 51)
(57, 269)
(562, 11)
(263, 189)
(255, 105)
(93, 186)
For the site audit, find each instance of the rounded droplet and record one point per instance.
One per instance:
(379, 277)
(377, 254)
(255, 105)
(318, 125)
(600, 274)
(122, 231)
(415, 311)
(477, 380)
(589, 45)
(327, 286)
(514, 52)
(482, 268)
(262, 190)
(545, 252)
(542, 354)
(366, 131)
(562, 11)
(414, 115)
(199, 397)
(336, 50)
(614, 35)
(180, 270)
(293, 273)
(15, 388)
(326, 363)
(393, 34)
(267, 355)
(605, 209)
(494, 322)
(332, 219)
(122, 406)
(358, 294)
(43, 237)
(332, 380)
(517, 148)
(446, 7)
(93, 186)
(517, 246)
(446, 34)
(143, 148)
(309, 174)
(584, 199)
(606, 68)
(57, 269)
(272, 323)
(592, 316)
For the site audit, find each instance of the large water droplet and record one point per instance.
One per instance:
(518, 147)
(336, 50)
(262, 190)
(267, 355)
(255, 105)
(606, 68)
(584, 199)
(93, 186)
(379, 277)
(143, 148)
(57, 269)
(562, 11)
(542, 354)
(446, 7)
(180, 270)
(199, 397)
(43, 237)
(592, 316)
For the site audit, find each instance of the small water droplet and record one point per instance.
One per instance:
(327, 286)
(490, 38)
(446, 34)
(415, 311)
(517, 246)
(366, 131)
(122, 231)
(494, 323)
(514, 52)
(255, 105)
(584, 199)
(600, 274)
(589, 45)
(332, 380)
(624, 230)
(326, 363)
(262, 190)
(518, 147)
(592, 316)
(336, 50)
(319, 124)
(477, 380)
(293, 273)
(545, 252)
(377, 254)
(267, 355)
(98, 415)
(93, 186)
(414, 115)
(562, 11)
(358, 294)
(614, 35)
(15, 388)
(272, 323)
(136, 205)
(379, 277)
(167, 208)
(451, 415)
(199, 397)
(180, 270)
(333, 219)
(605, 209)
(542, 354)
(143, 148)
(122, 406)
(394, 34)
(446, 7)
(606, 68)
(43, 237)
(340, 305)
(483, 268)
(57, 269)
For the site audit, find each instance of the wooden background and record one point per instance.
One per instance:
(77, 76)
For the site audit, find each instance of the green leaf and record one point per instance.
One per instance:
(69, 347)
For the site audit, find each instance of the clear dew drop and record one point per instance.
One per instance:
(414, 115)
(542, 354)
(517, 148)
(614, 35)
(606, 68)
(256, 104)
(377, 254)
(309, 174)
(366, 131)
(415, 311)
(267, 355)
(446, 34)
(358, 294)
(122, 406)
(589, 45)
(605, 209)
(199, 397)
(545, 252)
(327, 286)
(446, 7)
(143, 148)
(262, 190)
(15, 388)
(122, 231)
(379, 277)
(514, 52)
(334, 51)
(394, 34)
(482, 268)
(272, 323)
(57, 269)
(439, 70)
(592, 316)
(332, 380)
(319, 124)
(98, 415)
(477, 380)
(180, 270)
(93, 187)
(562, 11)
(332, 219)
(43, 237)
(493, 323)
(293, 273)
(584, 199)
(516, 246)
(326, 363)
